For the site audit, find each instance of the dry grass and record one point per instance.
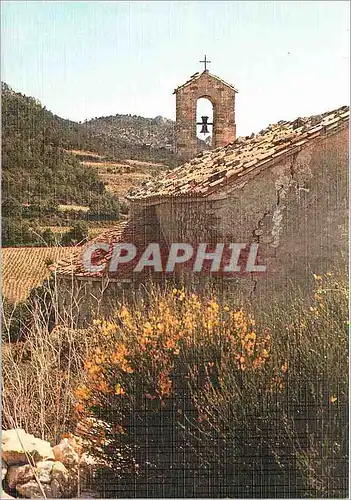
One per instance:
(103, 164)
(120, 184)
(95, 231)
(119, 176)
(75, 208)
(26, 268)
(141, 164)
(40, 371)
(92, 231)
(57, 229)
(80, 152)
(38, 377)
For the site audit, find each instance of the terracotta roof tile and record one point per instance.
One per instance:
(211, 170)
(140, 231)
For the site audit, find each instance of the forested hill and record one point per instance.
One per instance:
(35, 167)
(38, 175)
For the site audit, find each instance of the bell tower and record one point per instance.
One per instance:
(222, 97)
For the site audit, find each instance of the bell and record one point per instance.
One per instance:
(204, 129)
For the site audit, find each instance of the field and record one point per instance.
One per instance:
(74, 208)
(94, 229)
(119, 176)
(27, 267)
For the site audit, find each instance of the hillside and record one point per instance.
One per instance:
(119, 176)
(117, 136)
(38, 174)
(132, 137)
(49, 161)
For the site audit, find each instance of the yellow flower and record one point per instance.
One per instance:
(332, 399)
(314, 310)
(126, 368)
(119, 390)
(82, 393)
(213, 305)
(284, 367)
(147, 328)
(124, 312)
(103, 386)
(250, 336)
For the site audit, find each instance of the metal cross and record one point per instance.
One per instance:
(206, 62)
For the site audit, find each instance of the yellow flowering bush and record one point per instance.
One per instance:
(154, 340)
(157, 361)
(186, 378)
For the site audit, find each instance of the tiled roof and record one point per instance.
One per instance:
(211, 171)
(139, 230)
(199, 75)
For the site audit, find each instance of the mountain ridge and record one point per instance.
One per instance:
(118, 137)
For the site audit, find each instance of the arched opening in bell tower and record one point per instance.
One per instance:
(204, 123)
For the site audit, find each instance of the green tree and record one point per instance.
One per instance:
(49, 237)
(77, 235)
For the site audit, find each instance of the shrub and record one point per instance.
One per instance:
(200, 399)
(103, 208)
(41, 364)
(77, 235)
(49, 237)
(11, 207)
(18, 232)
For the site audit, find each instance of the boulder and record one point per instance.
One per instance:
(63, 480)
(49, 477)
(33, 490)
(66, 452)
(18, 447)
(3, 469)
(43, 471)
(59, 472)
(19, 474)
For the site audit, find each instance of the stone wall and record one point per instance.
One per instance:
(222, 98)
(79, 301)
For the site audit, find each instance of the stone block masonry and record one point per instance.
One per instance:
(222, 97)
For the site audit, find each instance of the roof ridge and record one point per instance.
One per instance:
(211, 170)
(197, 76)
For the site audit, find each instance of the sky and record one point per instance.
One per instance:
(87, 59)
